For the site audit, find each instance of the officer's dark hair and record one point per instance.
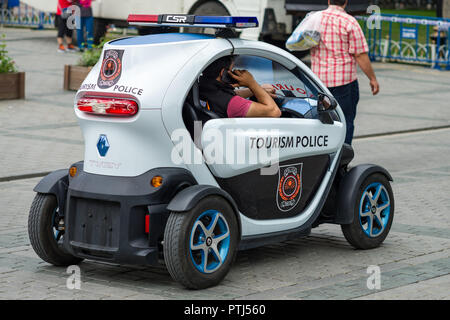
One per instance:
(213, 70)
(338, 2)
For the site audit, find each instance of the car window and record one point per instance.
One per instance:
(286, 83)
(293, 89)
(296, 91)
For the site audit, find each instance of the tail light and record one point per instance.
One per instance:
(108, 106)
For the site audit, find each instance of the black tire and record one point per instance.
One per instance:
(209, 8)
(367, 238)
(178, 256)
(100, 27)
(143, 31)
(41, 232)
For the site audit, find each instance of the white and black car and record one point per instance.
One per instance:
(164, 178)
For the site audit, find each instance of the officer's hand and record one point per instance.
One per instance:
(244, 77)
(269, 89)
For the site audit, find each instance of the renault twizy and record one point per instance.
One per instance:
(164, 179)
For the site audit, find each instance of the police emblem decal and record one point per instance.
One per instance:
(111, 68)
(289, 188)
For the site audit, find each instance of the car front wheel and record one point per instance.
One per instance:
(200, 244)
(373, 213)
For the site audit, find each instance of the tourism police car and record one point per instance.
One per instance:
(165, 179)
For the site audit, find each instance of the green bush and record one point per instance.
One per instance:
(90, 56)
(7, 64)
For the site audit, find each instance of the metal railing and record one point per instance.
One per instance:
(412, 39)
(24, 15)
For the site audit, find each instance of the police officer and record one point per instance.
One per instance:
(217, 88)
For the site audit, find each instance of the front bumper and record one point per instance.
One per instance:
(105, 215)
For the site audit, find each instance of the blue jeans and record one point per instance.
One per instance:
(347, 96)
(88, 24)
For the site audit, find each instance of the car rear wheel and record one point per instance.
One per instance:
(373, 213)
(200, 244)
(45, 231)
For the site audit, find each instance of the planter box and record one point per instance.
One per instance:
(74, 76)
(12, 85)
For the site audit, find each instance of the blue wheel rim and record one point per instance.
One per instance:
(209, 242)
(56, 233)
(374, 209)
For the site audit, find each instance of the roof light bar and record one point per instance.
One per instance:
(184, 20)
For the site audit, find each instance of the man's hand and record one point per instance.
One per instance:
(243, 77)
(269, 89)
(375, 86)
(365, 65)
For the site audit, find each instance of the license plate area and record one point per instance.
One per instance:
(95, 223)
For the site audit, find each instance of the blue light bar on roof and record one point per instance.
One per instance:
(236, 22)
(183, 20)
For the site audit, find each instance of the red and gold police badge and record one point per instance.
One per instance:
(111, 68)
(289, 186)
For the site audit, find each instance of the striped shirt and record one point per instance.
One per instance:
(333, 59)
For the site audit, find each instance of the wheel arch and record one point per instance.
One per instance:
(188, 197)
(348, 187)
(55, 183)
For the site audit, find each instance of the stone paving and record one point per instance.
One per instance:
(41, 134)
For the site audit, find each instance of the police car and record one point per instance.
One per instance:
(165, 180)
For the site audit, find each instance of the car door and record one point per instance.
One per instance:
(273, 167)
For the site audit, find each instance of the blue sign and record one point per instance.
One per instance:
(13, 3)
(409, 33)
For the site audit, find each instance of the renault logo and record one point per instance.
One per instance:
(103, 145)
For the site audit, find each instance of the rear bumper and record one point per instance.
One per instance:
(105, 216)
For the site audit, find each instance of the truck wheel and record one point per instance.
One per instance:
(43, 232)
(209, 8)
(100, 27)
(373, 213)
(143, 31)
(200, 244)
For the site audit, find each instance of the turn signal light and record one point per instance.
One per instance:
(73, 171)
(108, 106)
(157, 181)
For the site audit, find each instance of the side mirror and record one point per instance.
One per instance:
(326, 102)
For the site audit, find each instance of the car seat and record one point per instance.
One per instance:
(194, 111)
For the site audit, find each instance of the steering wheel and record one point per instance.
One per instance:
(289, 113)
(285, 113)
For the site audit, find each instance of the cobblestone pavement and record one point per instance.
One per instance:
(41, 134)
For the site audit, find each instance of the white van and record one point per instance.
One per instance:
(276, 17)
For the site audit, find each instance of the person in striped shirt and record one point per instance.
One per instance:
(334, 60)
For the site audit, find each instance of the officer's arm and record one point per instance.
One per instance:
(247, 93)
(265, 107)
